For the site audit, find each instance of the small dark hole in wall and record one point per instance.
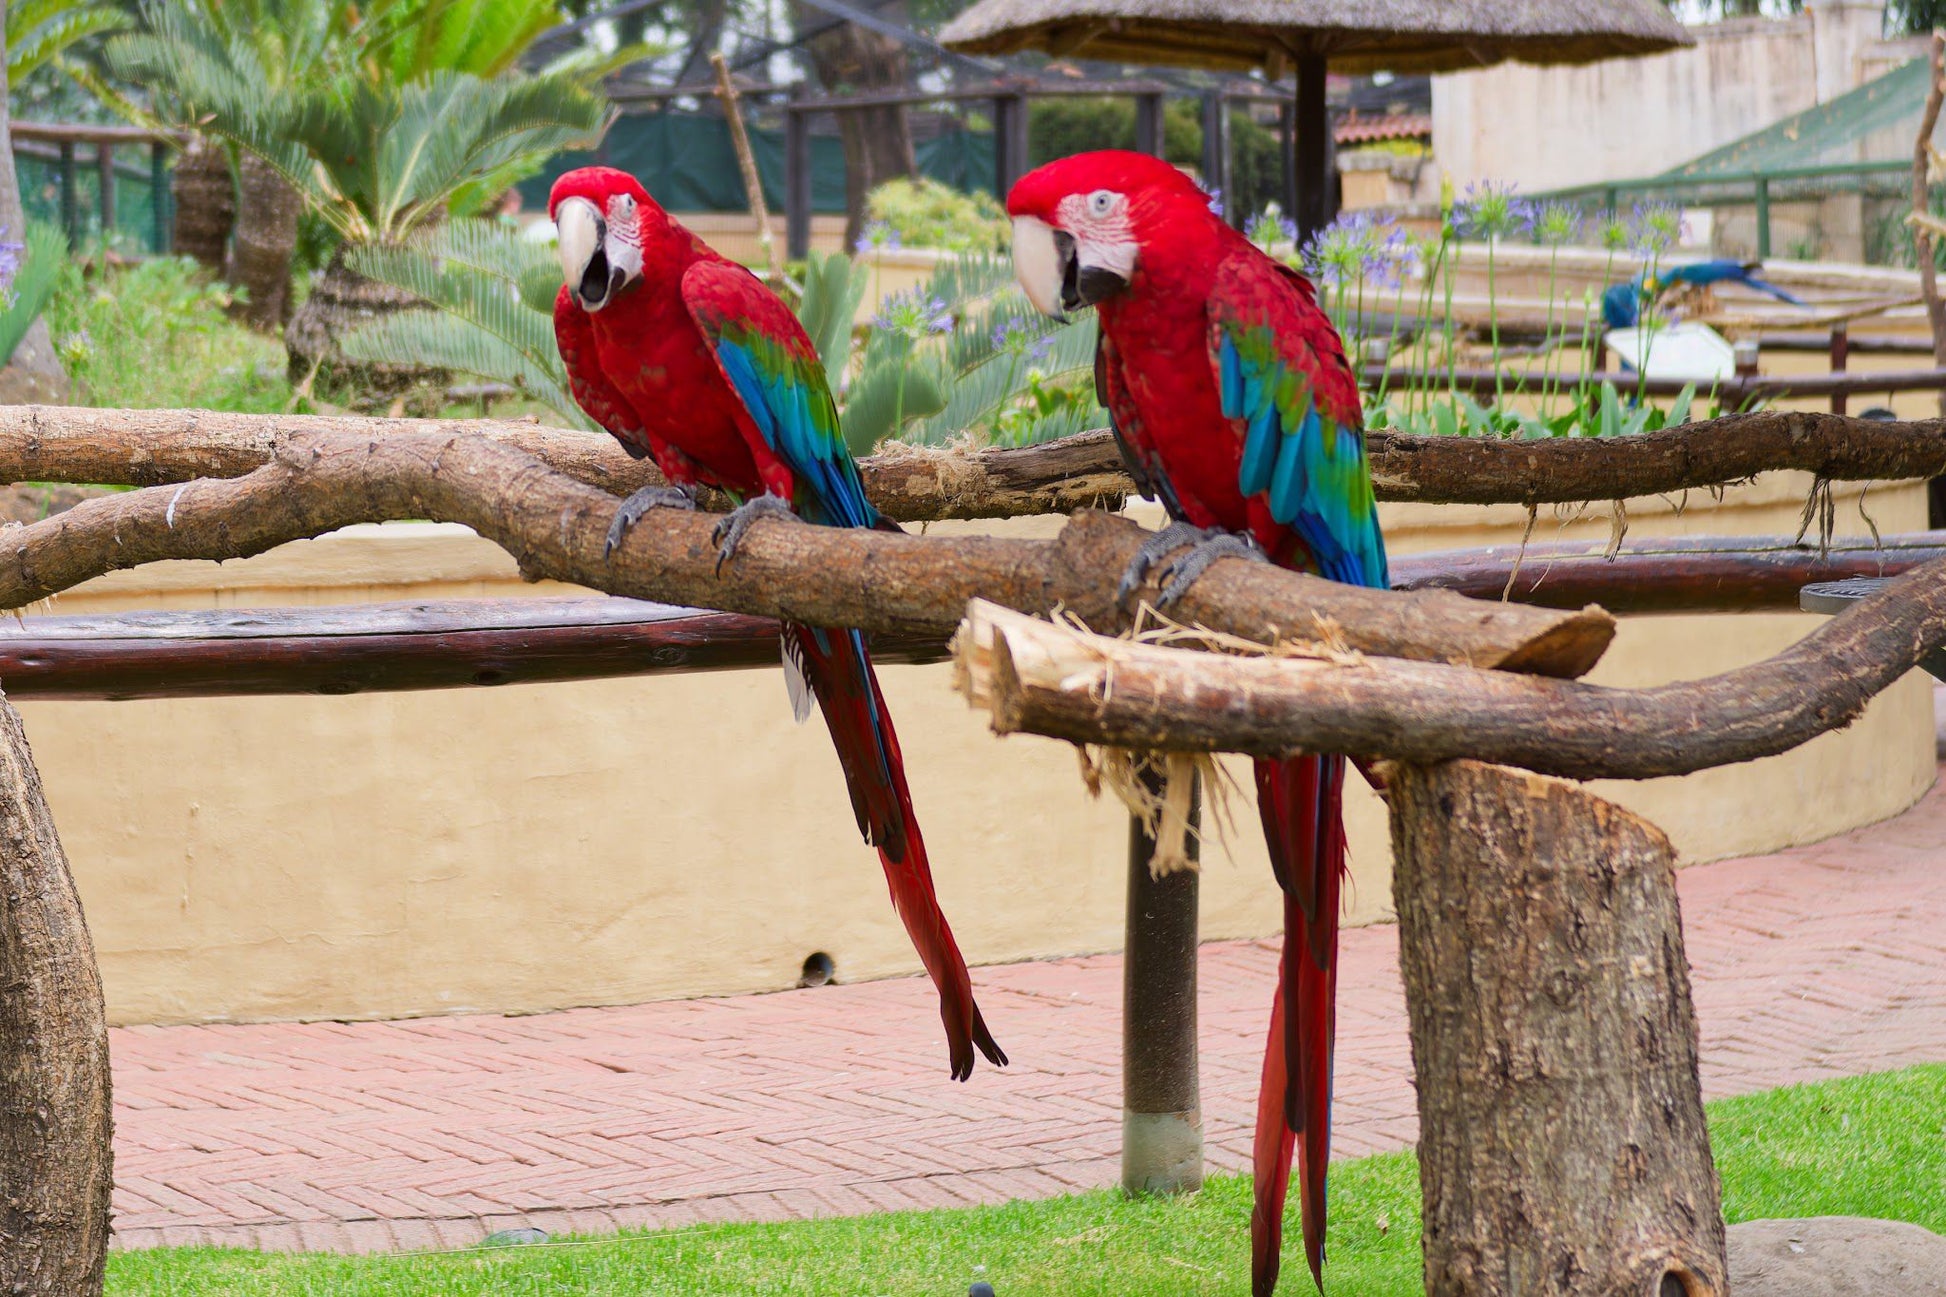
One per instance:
(819, 970)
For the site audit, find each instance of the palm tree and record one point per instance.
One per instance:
(196, 53)
(378, 160)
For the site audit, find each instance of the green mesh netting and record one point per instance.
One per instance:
(135, 214)
(687, 163)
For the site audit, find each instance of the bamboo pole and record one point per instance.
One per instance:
(752, 183)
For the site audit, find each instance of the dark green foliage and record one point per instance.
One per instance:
(1059, 127)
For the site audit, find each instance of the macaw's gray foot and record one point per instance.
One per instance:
(729, 532)
(633, 509)
(1205, 547)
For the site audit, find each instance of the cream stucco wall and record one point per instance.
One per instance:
(611, 841)
(1621, 119)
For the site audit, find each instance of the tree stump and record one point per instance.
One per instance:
(1562, 1148)
(55, 1156)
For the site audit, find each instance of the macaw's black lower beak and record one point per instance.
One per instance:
(597, 280)
(1083, 285)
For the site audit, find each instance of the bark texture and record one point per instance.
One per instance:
(151, 447)
(1039, 678)
(1562, 1148)
(143, 447)
(205, 201)
(340, 302)
(266, 240)
(822, 576)
(55, 1155)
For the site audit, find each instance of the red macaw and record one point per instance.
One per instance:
(687, 357)
(1233, 403)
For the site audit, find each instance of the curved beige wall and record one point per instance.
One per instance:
(602, 842)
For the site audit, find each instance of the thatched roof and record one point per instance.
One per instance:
(1357, 35)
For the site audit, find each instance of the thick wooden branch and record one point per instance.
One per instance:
(150, 447)
(1040, 678)
(556, 527)
(1478, 470)
(1663, 574)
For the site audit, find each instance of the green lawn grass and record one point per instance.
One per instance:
(1869, 1146)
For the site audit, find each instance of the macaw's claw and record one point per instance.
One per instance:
(1205, 547)
(1182, 573)
(1158, 545)
(633, 509)
(729, 532)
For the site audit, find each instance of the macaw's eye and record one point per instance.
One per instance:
(624, 205)
(1102, 202)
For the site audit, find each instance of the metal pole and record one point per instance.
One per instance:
(105, 170)
(1149, 129)
(1314, 207)
(797, 178)
(1763, 217)
(159, 195)
(70, 196)
(1162, 1115)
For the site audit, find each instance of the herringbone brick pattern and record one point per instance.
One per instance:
(1822, 961)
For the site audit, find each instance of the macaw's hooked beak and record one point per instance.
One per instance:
(1054, 272)
(586, 268)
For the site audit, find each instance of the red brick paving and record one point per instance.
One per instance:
(1822, 961)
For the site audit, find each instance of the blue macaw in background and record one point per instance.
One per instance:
(1621, 304)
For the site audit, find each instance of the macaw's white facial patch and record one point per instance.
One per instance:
(1104, 232)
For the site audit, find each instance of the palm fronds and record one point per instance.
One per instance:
(481, 323)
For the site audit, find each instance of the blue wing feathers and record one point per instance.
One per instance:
(1311, 472)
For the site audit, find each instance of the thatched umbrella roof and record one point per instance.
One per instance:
(1353, 35)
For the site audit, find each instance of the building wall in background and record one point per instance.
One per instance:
(1552, 127)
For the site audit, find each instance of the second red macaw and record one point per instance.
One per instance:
(688, 358)
(1234, 405)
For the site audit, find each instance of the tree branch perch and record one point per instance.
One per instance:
(151, 447)
(556, 528)
(1040, 678)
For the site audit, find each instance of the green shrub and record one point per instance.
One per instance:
(927, 214)
(155, 335)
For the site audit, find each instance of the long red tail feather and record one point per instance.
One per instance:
(1301, 804)
(839, 670)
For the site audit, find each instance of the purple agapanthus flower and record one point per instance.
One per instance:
(914, 315)
(1654, 228)
(9, 262)
(1271, 227)
(878, 235)
(1493, 210)
(1357, 248)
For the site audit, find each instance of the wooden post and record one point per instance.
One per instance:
(1314, 206)
(753, 185)
(1216, 151)
(797, 177)
(1561, 1139)
(1763, 217)
(70, 197)
(105, 177)
(159, 196)
(1009, 141)
(55, 1157)
(1162, 1115)
(1149, 129)
(1287, 155)
(1840, 357)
